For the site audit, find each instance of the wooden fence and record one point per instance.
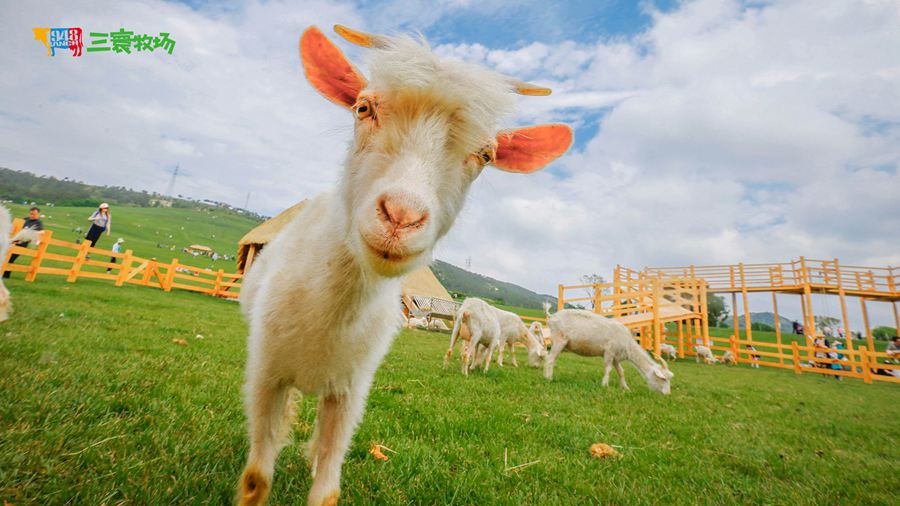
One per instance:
(78, 261)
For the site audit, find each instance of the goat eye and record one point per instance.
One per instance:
(363, 109)
(486, 155)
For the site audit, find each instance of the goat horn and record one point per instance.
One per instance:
(523, 88)
(359, 38)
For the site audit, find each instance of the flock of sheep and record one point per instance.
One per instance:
(485, 329)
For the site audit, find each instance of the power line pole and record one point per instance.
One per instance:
(170, 191)
(247, 202)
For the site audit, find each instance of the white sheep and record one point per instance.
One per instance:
(588, 334)
(705, 354)
(438, 324)
(728, 358)
(321, 298)
(483, 327)
(512, 331)
(5, 228)
(417, 323)
(667, 350)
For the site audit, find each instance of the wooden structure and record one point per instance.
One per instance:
(657, 304)
(79, 261)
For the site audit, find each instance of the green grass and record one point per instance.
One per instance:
(98, 406)
(143, 228)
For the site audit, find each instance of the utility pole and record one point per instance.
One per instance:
(170, 191)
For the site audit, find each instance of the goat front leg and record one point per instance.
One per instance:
(621, 373)
(607, 368)
(336, 421)
(512, 353)
(550, 361)
(490, 355)
(269, 413)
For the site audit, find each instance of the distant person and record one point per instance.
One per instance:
(101, 221)
(798, 329)
(33, 222)
(116, 248)
(893, 350)
(754, 357)
(837, 345)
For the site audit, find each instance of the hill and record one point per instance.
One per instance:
(156, 232)
(472, 284)
(24, 187)
(766, 317)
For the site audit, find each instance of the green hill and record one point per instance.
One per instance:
(156, 232)
(472, 284)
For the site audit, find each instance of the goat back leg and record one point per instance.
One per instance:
(621, 373)
(550, 361)
(269, 413)
(512, 354)
(336, 420)
(489, 356)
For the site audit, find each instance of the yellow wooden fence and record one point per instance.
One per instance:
(78, 261)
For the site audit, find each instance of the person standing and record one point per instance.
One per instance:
(116, 248)
(101, 221)
(33, 221)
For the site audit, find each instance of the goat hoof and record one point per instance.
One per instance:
(254, 488)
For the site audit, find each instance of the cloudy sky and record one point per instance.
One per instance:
(707, 131)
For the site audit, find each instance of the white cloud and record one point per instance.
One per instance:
(728, 133)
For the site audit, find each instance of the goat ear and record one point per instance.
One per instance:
(530, 149)
(328, 70)
(659, 373)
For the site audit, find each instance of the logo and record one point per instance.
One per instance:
(121, 42)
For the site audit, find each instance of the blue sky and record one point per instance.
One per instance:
(707, 131)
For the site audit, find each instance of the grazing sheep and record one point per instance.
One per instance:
(5, 228)
(705, 354)
(728, 358)
(321, 298)
(438, 324)
(512, 331)
(667, 350)
(591, 335)
(484, 329)
(417, 323)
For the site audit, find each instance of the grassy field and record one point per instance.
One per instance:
(98, 406)
(144, 228)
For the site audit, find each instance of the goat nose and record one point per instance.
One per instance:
(399, 212)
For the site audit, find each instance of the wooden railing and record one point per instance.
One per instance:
(78, 261)
(827, 275)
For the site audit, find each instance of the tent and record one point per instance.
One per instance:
(422, 291)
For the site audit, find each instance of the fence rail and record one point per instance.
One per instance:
(77, 261)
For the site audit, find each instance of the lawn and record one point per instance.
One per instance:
(99, 406)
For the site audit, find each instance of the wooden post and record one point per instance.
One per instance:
(864, 362)
(732, 342)
(704, 312)
(680, 339)
(79, 262)
(796, 354)
(657, 299)
(598, 292)
(840, 285)
(865, 315)
(734, 315)
(560, 305)
(218, 282)
(809, 325)
(747, 322)
(777, 329)
(170, 276)
(125, 269)
(39, 257)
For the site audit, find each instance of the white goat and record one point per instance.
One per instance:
(321, 299)
(537, 329)
(728, 358)
(512, 331)
(705, 354)
(591, 335)
(5, 228)
(667, 350)
(484, 329)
